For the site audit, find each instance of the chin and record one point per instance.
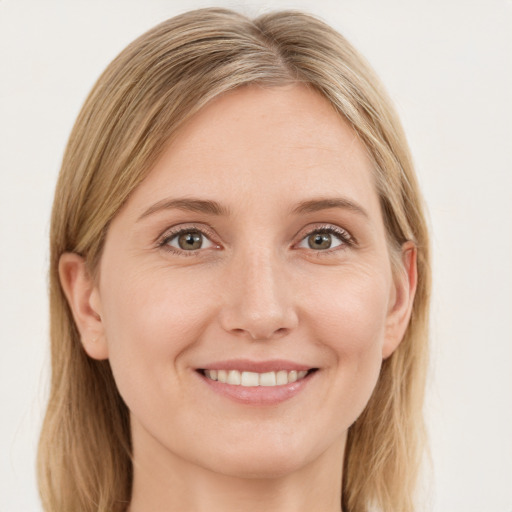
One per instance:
(269, 467)
(262, 460)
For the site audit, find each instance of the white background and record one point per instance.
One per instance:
(448, 66)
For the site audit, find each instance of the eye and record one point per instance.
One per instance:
(187, 240)
(322, 239)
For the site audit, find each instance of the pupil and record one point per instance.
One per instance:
(320, 241)
(189, 241)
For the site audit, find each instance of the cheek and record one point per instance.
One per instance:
(350, 310)
(348, 320)
(150, 321)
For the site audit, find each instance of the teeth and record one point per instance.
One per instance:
(281, 377)
(253, 379)
(268, 379)
(234, 377)
(250, 379)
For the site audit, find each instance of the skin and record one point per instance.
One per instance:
(256, 290)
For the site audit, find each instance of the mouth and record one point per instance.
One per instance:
(258, 383)
(264, 383)
(251, 379)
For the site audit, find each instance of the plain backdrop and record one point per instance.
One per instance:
(448, 66)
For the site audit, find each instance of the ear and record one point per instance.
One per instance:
(84, 300)
(402, 299)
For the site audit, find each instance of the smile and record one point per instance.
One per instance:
(257, 383)
(254, 379)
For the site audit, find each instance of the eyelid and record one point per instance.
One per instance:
(346, 238)
(170, 233)
(344, 235)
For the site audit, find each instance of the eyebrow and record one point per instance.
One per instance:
(214, 208)
(315, 205)
(187, 204)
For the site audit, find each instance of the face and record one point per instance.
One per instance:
(254, 252)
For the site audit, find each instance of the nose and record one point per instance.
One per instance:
(258, 301)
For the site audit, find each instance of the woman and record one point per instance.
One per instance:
(239, 280)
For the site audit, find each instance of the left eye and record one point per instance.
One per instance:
(322, 240)
(190, 240)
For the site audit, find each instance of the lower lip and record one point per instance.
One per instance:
(259, 395)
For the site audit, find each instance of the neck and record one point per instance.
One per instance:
(164, 482)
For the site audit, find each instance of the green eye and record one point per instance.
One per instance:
(188, 240)
(322, 239)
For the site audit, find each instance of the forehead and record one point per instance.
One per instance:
(281, 143)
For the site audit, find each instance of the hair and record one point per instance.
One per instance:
(137, 105)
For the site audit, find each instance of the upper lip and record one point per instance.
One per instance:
(247, 365)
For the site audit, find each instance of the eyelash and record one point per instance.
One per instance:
(171, 235)
(344, 236)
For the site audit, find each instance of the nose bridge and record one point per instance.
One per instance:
(260, 274)
(259, 299)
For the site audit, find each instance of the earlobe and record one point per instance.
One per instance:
(84, 301)
(403, 299)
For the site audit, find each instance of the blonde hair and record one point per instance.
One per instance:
(142, 98)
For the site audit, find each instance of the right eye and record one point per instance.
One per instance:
(188, 240)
